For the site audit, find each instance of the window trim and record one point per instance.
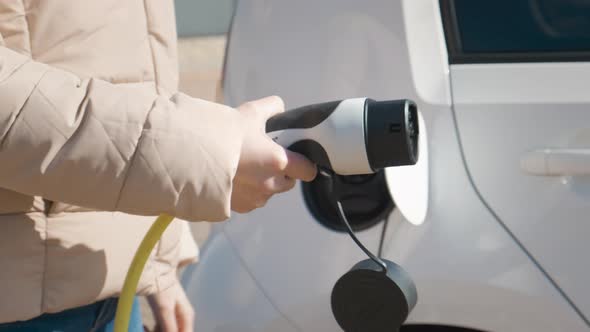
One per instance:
(457, 56)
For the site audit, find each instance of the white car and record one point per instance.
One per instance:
(492, 223)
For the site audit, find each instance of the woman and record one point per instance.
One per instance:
(95, 141)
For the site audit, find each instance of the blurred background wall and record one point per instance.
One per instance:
(202, 27)
(203, 17)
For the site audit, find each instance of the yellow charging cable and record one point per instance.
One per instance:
(142, 254)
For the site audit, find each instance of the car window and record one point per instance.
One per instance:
(517, 30)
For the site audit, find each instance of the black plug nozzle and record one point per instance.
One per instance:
(391, 133)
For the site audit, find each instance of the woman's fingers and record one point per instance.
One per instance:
(299, 167)
(166, 319)
(185, 315)
(291, 164)
(279, 184)
(172, 310)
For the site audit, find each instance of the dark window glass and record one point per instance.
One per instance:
(517, 30)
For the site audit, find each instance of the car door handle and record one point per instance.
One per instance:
(555, 162)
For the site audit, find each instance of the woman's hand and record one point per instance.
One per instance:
(172, 310)
(265, 168)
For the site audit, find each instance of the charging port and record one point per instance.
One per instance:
(365, 199)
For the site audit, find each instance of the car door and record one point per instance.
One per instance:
(520, 80)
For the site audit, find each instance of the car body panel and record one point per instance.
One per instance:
(516, 109)
(469, 271)
(232, 299)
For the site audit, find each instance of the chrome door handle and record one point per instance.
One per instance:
(555, 162)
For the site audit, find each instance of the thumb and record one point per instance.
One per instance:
(269, 106)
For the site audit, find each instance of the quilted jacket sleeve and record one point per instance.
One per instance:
(114, 147)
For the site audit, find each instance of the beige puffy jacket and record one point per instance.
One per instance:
(90, 116)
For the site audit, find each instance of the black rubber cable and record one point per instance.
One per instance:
(374, 258)
(383, 233)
